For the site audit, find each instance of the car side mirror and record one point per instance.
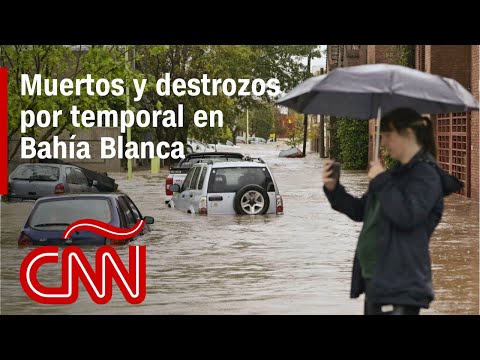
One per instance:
(149, 220)
(94, 183)
(175, 188)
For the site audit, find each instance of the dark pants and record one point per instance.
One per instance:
(371, 308)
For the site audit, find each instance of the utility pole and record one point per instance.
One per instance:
(246, 140)
(322, 137)
(129, 129)
(322, 131)
(305, 116)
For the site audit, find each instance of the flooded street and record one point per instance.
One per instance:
(296, 263)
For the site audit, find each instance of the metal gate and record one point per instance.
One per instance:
(453, 146)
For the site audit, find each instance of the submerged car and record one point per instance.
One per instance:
(51, 215)
(195, 146)
(234, 187)
(179, 172)
(32, 181)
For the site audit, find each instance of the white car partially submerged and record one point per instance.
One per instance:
(228, 146)
(243, 187)
(195, 146)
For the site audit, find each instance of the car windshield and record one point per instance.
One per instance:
(36, 173)
(234, 178)
(61, 213)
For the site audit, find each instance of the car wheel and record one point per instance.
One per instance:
(251, 200)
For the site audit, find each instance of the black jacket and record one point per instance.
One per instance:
(411, 206)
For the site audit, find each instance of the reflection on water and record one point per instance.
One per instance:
(298, 263)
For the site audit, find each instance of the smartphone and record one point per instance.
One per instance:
(336, 171)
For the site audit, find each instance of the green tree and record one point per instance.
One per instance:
(402, 55)
(235, 62)
(260, 120)
(188, 62)
(58, 62)
(285, 63)
(353, 140)
(334, 151)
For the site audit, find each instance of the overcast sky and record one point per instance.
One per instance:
(318, 61)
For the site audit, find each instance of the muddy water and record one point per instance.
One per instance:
(298, 263)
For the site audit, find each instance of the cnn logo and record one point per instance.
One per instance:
(75, 267)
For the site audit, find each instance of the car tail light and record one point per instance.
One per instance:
(168, 182)
(202, 205)
(113, 242)
(279, 205)
(60, 189)
(24, 240)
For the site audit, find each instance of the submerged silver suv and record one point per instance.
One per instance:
(243, 187)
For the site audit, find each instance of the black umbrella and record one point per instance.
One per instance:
(365, 91)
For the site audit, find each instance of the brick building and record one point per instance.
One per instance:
(475, 126)
(457, 134)
(453, 131)
(345, 55)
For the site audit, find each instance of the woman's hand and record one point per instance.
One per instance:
(329, 182)
(376, 168)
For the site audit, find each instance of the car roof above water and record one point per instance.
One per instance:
(214, 153)
(82, 196)
(225, 164)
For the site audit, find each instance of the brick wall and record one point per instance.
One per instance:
(428, 57)
(371, 54)
(419, 61)
(377, 54)
(345, 55)
(475, 124)
(452, 61)
(459, 62)
(354, 55)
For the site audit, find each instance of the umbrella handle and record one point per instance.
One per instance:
(377, 133)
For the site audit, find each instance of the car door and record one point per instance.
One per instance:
(221, 191)
(136, 213)
(179, 199)
(72, 181)
(196, 188)
(190, 187)
(82, 181)
(126, 212)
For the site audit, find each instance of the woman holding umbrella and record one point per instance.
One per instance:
(399, 211)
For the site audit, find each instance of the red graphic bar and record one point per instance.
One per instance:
(3, 131)
(104, 229)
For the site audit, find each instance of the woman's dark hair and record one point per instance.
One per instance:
(403, 118)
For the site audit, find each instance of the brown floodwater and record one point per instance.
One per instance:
(296, 263)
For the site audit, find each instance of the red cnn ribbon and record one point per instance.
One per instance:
(104, 229)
